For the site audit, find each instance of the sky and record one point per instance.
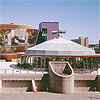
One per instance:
(81, 18)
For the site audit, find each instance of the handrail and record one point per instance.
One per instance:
(16, 71)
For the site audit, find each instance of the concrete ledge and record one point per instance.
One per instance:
(85, 76)
(22, 77)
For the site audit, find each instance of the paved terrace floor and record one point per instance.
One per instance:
(49, 96)
(5, 68)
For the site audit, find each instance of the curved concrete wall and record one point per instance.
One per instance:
(61, 77)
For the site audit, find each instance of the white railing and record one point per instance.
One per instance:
(12, 71)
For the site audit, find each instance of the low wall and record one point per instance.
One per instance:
(17, 86)
(84, 85)
(23, 83)
(14, 86)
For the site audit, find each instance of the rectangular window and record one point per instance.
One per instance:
(44, 30)
(44, 38)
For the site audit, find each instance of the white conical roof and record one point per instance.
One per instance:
(60, 46)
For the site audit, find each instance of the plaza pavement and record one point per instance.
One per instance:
(49, 96)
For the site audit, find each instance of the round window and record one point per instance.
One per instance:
(14, 48)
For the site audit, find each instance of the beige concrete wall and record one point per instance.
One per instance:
(84, 85)
(59, 82)
(43, 84)
(37, 86)
(85, 76)
(15, 86)
(21, 76)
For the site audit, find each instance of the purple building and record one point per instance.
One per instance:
(46, 28)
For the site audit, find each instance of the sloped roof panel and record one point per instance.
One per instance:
(60, 46)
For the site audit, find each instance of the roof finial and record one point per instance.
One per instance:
(59, 32)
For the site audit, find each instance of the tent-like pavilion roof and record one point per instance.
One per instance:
(60, 47)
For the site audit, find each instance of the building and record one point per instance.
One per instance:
(57, 65)
(92, 46)
(95, 47)
(82, 41)
(46, 29)
(16, 38)
(71, 67)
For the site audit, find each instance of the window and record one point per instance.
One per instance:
(14, 48)
(44, 38)
(44, 31)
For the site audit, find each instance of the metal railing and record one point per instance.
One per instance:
(17, 71)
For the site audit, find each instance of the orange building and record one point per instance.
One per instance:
(16, 38)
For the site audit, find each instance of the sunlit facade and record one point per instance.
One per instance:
(71, 67)
(17, 38)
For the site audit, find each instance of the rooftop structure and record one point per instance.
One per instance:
(82, 41)
(67, 62)
(46, 28)
(57, 65)
(60, 47)
(68, 72)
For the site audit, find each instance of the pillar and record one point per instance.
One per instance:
(44, 62)
(41, 62)
(34, 88)
(37, 62)
(33, 61)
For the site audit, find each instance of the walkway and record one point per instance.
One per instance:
(49, 96)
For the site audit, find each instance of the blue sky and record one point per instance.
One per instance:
(78, 17)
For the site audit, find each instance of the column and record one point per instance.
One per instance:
(44, 62)
(37, 62)
(41, 62)
(33, 61)
(30, 60)
(34, 88)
